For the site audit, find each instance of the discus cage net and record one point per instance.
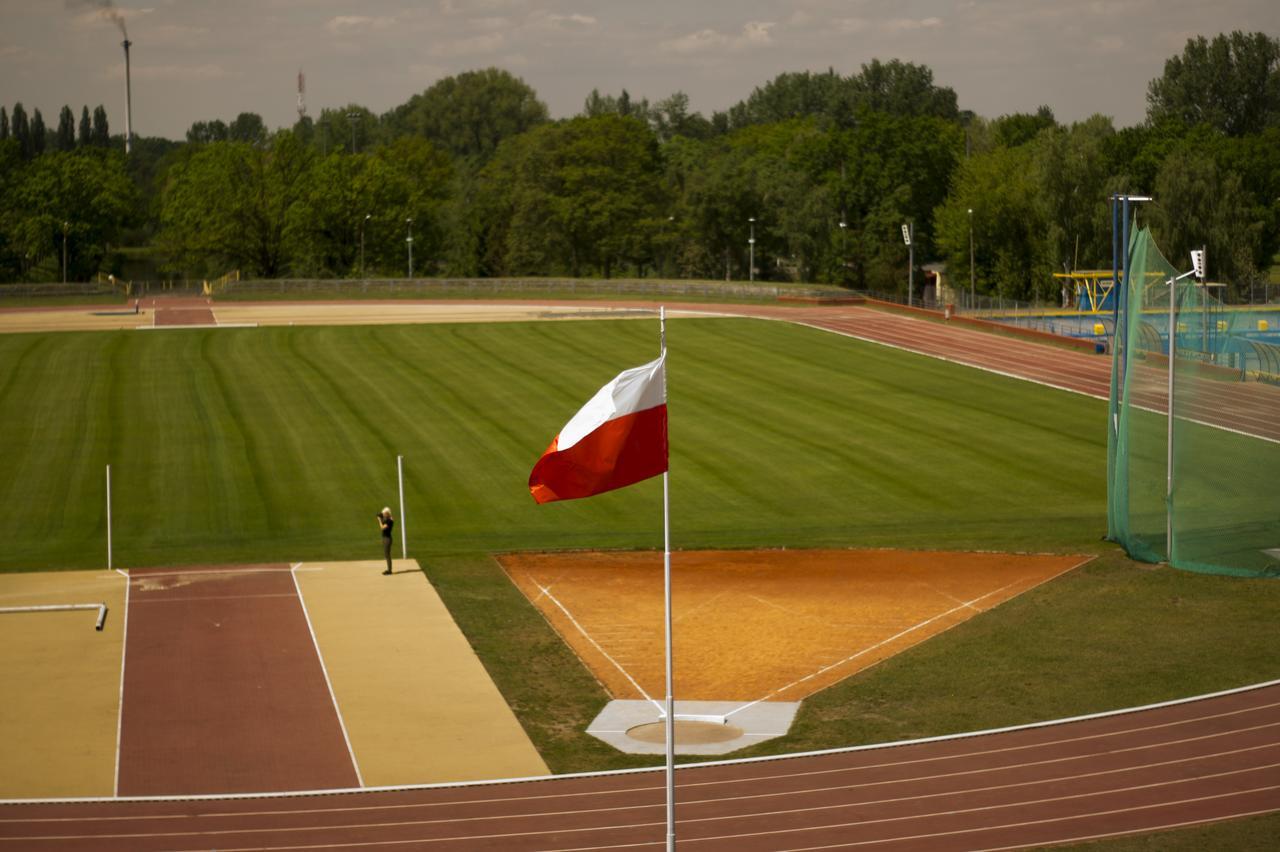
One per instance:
(1196, 482)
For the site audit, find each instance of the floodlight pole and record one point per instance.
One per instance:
(363, 222)
(404, 540)
(972, 298)
(908, 234)
(409, 242)
(1173, 344)
(751, 244)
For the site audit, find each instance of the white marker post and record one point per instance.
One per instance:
(404, 539)
(108, 517)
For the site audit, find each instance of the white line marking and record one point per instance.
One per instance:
(871, 648)
(293, 572)
(546, 591)
(142, 575)
(124, 648)
(982, 828)
(732, 762)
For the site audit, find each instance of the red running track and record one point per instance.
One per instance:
(1156, 768)
(1252, 408)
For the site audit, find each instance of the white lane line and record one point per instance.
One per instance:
(293, 572)
(790, 830)
(124, 648)
(984, 828)
(546, 591)
(746, 761)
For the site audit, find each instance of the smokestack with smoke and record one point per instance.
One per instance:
(108, 10)
(128, 97)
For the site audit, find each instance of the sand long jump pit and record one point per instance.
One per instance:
(227, 679)
(754, 629)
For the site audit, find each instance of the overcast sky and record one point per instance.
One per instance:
(201, 59)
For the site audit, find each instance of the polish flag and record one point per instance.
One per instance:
(616, 439)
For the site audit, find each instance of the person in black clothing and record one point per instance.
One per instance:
(386, 523)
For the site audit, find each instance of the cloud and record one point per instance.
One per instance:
(902, 25)
(162, 34)
(105, 14)
(15, 52)
(348, 24)
(208, 71)
(476, 45)
(754, 34)
(1108, 43)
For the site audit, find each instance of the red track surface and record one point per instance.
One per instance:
(223, 689)
(182, 310)
(1137, 772)
(1248, 407)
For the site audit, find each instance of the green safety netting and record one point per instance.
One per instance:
(1213, 504)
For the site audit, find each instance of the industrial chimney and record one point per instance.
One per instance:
(128, 100)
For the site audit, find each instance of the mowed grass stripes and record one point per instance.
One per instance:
(273, 444)
(227, 443)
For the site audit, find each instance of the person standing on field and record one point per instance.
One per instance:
(386, 523)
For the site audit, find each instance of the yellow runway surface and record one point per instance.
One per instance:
(417, 704)
(382, 313)
(61, 703)
(90, 318)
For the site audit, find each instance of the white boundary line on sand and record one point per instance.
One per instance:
(124, 648)
(293, 572)
(546, 590)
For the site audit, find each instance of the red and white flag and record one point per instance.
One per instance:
(618, 438)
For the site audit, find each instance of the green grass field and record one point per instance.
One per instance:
(279, 444)
(244, 445)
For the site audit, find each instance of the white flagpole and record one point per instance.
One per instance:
(666, 579)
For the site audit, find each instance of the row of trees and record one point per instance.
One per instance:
(827, 166)
(33, 138)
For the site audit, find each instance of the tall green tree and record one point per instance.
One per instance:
(204, 132)
(101, 135)
(230, 204)
(39, 133)
(1200, 204)
(1231, 83)
(65, 140)
(4, 124)
(248, 127)
(90, 193)
(1011, 249)
(1072, 173)
(84, 136)
(22, 130)
(581, 197)
(471, 114)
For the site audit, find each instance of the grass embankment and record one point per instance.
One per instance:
(278, 444)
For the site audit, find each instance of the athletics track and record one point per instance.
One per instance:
(1156, 768)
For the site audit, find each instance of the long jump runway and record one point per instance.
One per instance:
(224, 691)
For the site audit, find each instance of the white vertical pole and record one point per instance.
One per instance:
(108, 517)
(666, 579)
(404, 539)
(1168, 490)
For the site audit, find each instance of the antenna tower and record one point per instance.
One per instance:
(302, 92)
